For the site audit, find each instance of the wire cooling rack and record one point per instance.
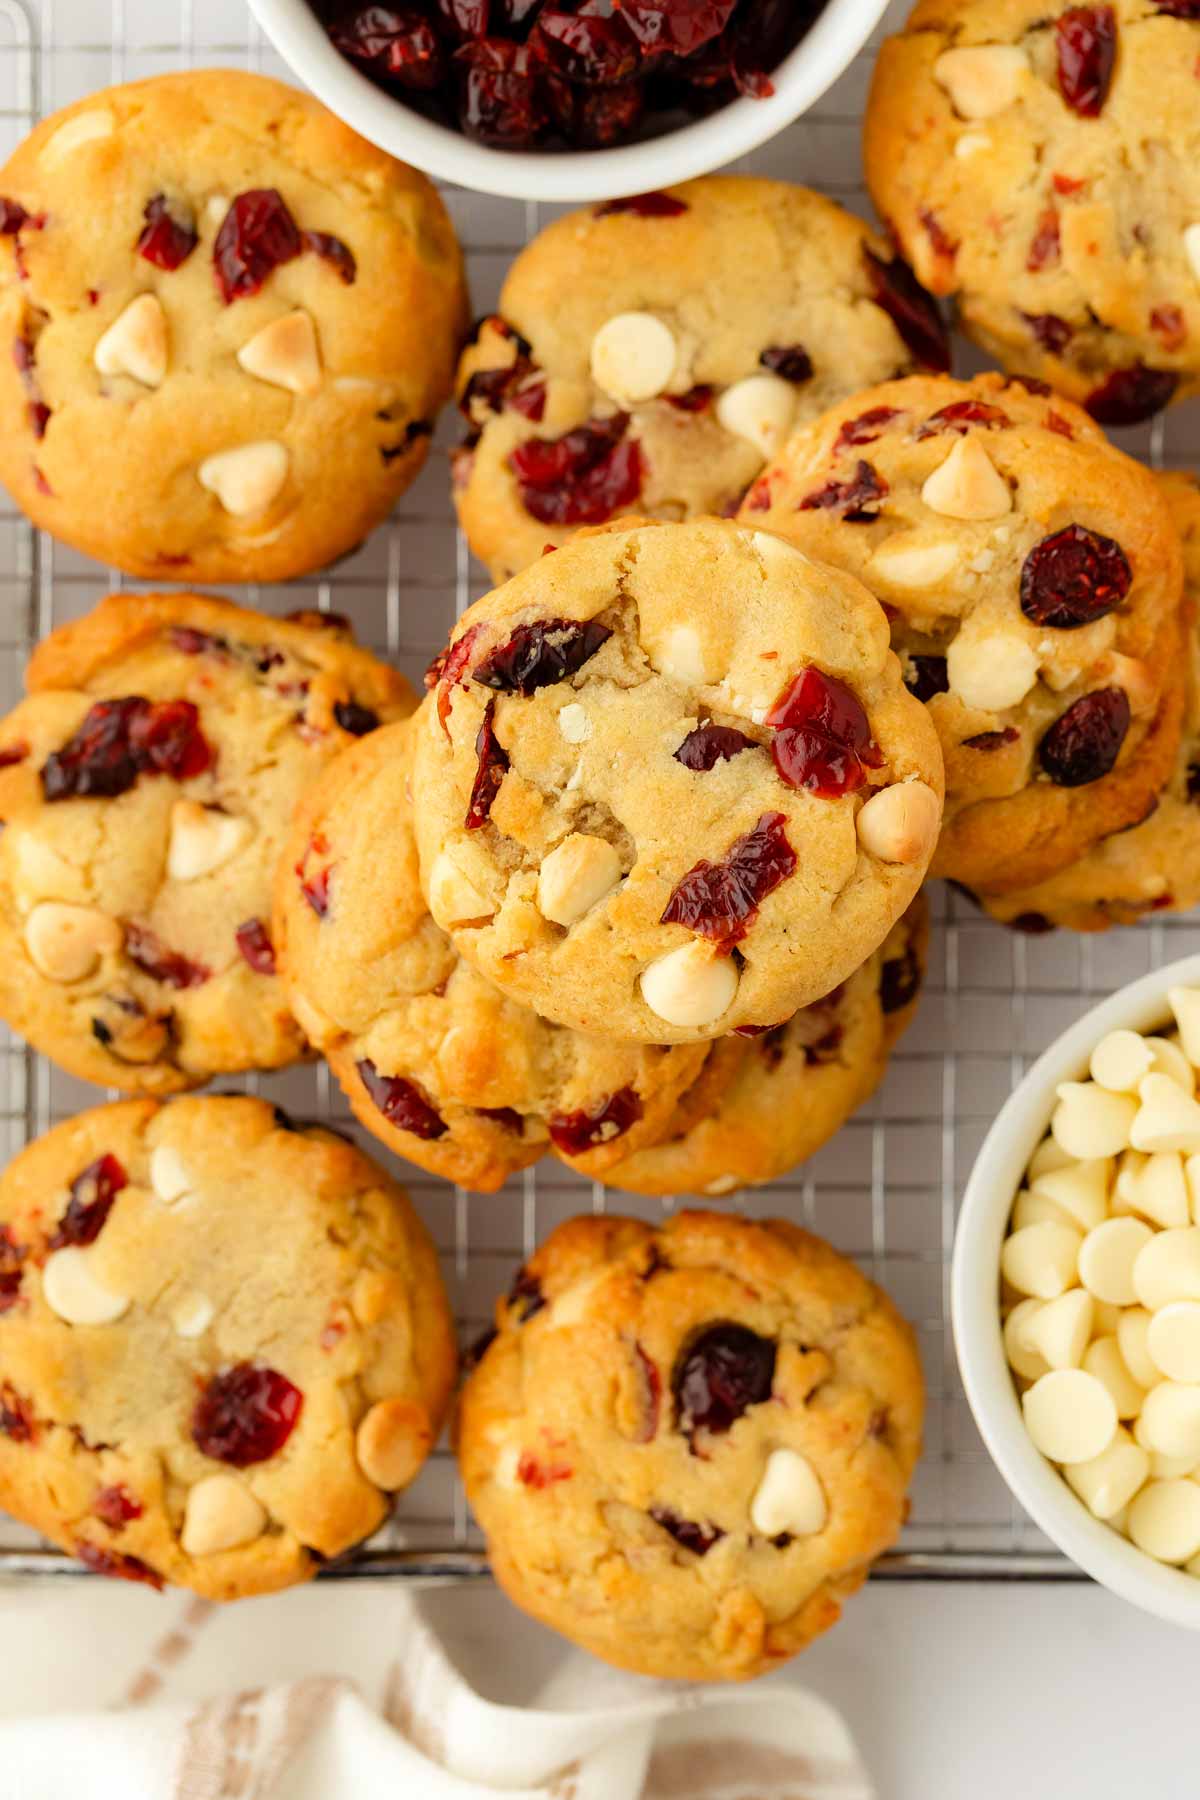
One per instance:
(885, 1191)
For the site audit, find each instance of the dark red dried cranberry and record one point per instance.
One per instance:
(699, 1539)
(720, 901)
(148, 953)
(505, 1116)
(13, 217)
(603, 116)
(678, 27)
(991, 740)
(581, 478)
(1051, 332)
(1045, 248)
(900, 980)
(11, 1258)
(530, 401)
(696, 400)
(502, 100)
(395, 45)
(927, 676)
(316, 890)
(791, 361)
(960, 415)
(865, 429)
(912, 311)
(165, 241)
(822, 737)
(1087, 54)
(254, 942)
(11, 754)
(587, 46)
(116, 1507)
(540, 655)
(857, 500)
(525, 1296)
(258, 234)
(534, 1474)
(92, 1195)
(333, 251)
(1179, 9)
(401, 1102)
(940, 241)
(1032, 924)
(575, 1132)
(1085, 742)
(706, 746)
(1130, 395)
(16, 1416)
(122, 739)
(723, 1371)
(1171, 325)
(447, 670)
(246, 1414)
(357, 720)
(643, 206)
(1056, 422)
(465, 18)
(165, 739)
(119, 1567)
(190, 642)
(1073, 578)
(492, 767)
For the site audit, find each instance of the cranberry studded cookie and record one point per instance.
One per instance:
(672, 782)
(436, 1062)
(1155, 866)
(146, 787)
(224, 1344)
(766, 1103)
(1042, 164)
(686, 1446)
(232, 324)
(650, 354)
(1032, 575)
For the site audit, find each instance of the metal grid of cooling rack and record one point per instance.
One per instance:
(885, 1191)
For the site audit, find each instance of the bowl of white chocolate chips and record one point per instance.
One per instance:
(1076, 1292)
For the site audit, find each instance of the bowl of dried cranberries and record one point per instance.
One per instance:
(568, 99)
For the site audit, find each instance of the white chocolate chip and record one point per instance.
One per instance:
(633, 356)
(85, 128)
(1170, 1420)
(1080, 1190)
(1021, 1359)
(1185, 1004)
(203, 839)
(220, 1514)
(1120, 1060)
(575, 876)
(691, 986)
(1163, 1468)
(215, 209)
(981, 79)
(1158, 1189)
(1169, 1060)
(1191, 247)
(574, 723)
(454, 900)
(1133, 1340)
(968, 485)
(760, 409)
(1103, 1359)
(1173, 1340)
(66, 943)
(992, 672)
(135, 344)
(681, 657)
(1060, 1330)
(71, 1290)
(1129, 1168)
(1041, 1260)
(971, 143)
(245, 480)
(1164, 1520)
(1034, 1208)
(1047, 1157)
(1106, 1258)
(1105, 1319)
(1089, 1121)
(392, 1441)
(285, 353)
(169, 1177)
(1069, 1415)
(789, 1497)
(900, 823)
(1167, 1119)
(913, 566)
(1109, 1481)
(193, 1315)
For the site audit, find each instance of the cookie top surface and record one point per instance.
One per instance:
(1033, 577)
(1043, 165)
(224, 1342)
(664, 353)
(1155, 866)
(672, 782)
(147, 785)
(436, 1061)
(685, 1445)
(233, 322)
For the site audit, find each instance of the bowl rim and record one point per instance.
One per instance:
(821, 56)
(975, 1314)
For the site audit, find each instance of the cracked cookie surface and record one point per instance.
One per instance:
(147, 784)
(232, 322)
(672, 782)
(686, 1446)
(224, 1343)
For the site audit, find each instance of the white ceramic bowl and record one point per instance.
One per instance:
(983, 1221)
(813, 66)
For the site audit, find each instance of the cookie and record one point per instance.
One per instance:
(672, 782)
(1042, 165)
(686, 1446)
(649, 354)
(772, 1100)
(435, 1061)
(1033, 578)
(146, 786)
(1155, 866)
(232, 320)
(224, 1343)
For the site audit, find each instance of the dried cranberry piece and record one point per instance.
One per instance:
(165, 241)
(960, 415)
(446, 671)
(791, 361)
(992, 740)
(11, 1258)
(465, 18)
(1073, 578)
(116, 1507)
(92, 1195)
(900, 980)
(258, 234)
(679, 27)
(723, 1371)
(310, 617)
(581, 478)
(16, 1416)
(530, 401)
(505, 1116)
(395, 45)
(1032, 924)
(720, 901)
(535, 1474)
(1056, 422)
(1085, 742)
(13, 217)
(148, 953)
(697, 400)
(699, 1539)
(940, 241)
(401, 1102)
(118, 1566)
(856, 500)
(165, 739)
(604, 116)
(357, 720)
(190, 642)
(540, 655)
(912, 311)
(122, 739)
(587, 46)
(1087, 54)
(822, 737)
(1130, 395)
(1045, 248)
(706, 746)
(11, 754)
(927, 676)
(493, 766)
(254, 942)
(502, 101)
(1051, 332)
(332, 250)
(575, 1132)
(1179, 9)
(865, 429)
(644, 206)
(316, 890)
(525, 1295)
(246, 1414)
(1171, 325)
